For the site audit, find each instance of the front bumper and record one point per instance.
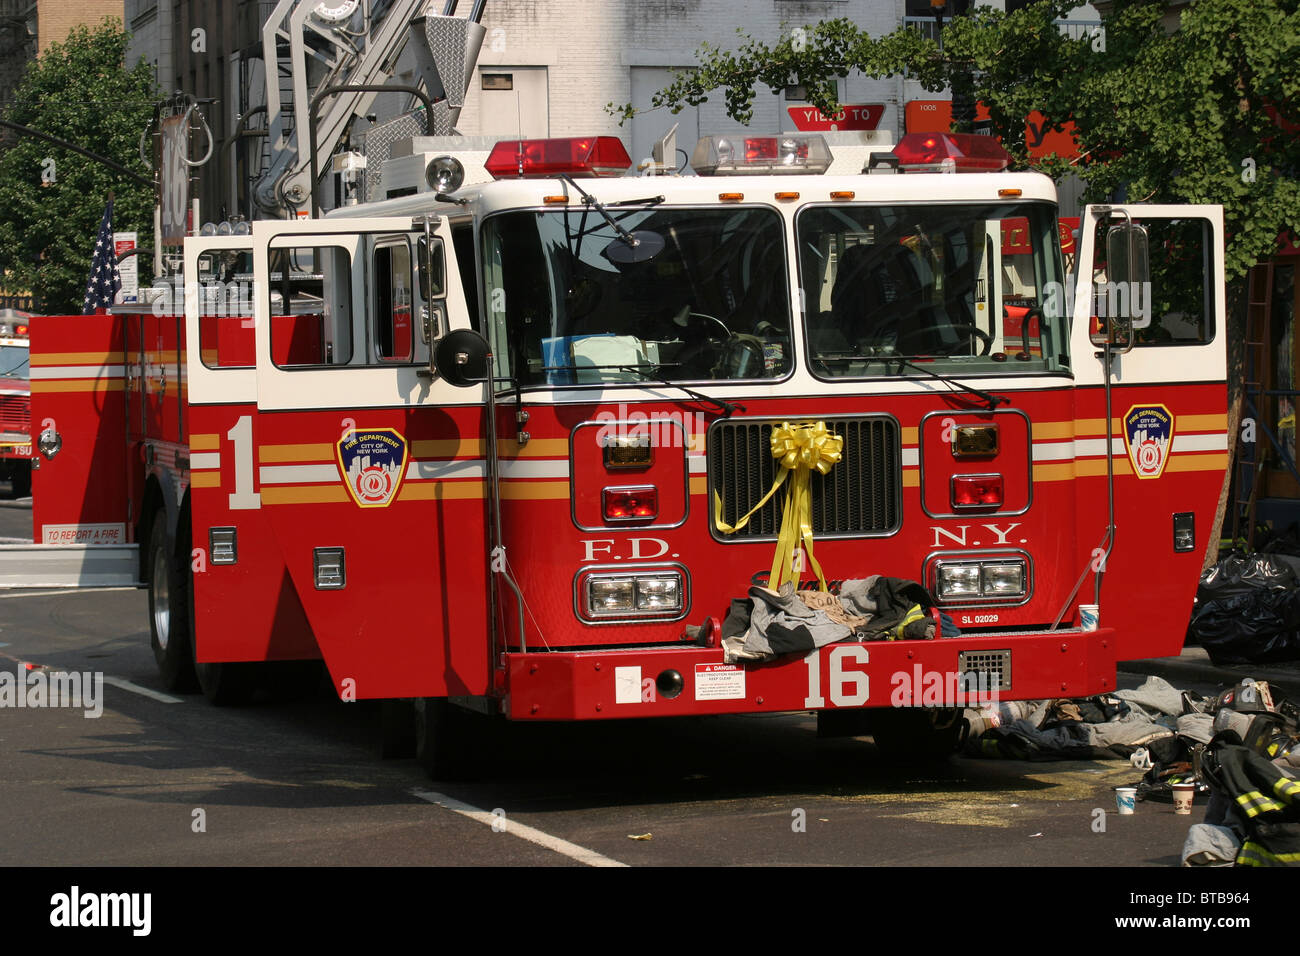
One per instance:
(637, 682)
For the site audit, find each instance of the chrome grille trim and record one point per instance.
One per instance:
(860, 497)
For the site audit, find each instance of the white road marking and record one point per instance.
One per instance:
(36, 593)
(123, 684)
(521, 830)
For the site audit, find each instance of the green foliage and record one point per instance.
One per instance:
(79, 91)
(1207, 114)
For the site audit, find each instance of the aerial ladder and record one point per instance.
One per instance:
(325, 62)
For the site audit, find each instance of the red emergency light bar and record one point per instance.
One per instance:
(951, 153)
(548, 158)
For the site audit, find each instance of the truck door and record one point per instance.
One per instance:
(371, 469)
(1167, 410)
(245, 608)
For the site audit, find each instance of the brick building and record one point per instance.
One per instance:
(56, 18)
(28, 27)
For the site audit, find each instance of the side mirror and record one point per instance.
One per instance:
(1123, 302)
(1126, 253)
(432, 270)
(461, 358)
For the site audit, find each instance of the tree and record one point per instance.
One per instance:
(52, 198)
(1206, 114)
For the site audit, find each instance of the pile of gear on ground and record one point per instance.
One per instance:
(1241, 750)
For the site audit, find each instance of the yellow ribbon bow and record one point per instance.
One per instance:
(798, 449)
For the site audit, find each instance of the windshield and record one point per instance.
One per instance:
(963, 288)
(14, 361)
(569, 304)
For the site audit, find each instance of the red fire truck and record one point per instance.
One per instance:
(15, 403)
(516, 446)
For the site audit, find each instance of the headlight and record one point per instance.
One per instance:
(609, 595)
(1006, 578)
(659, 594)
(998, 579)
(648, 594)
(960, 580)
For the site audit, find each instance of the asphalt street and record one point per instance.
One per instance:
(158, 779)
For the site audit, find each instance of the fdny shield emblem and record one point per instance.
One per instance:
(1149, 433)
(373, 462)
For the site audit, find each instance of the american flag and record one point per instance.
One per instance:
(105, 281)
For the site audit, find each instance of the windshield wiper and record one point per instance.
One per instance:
(591, 200)
(725, 407)
(992, 401)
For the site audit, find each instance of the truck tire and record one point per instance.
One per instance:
(917, 734)
(227, 684)
(443, 738)
(169, 609)
(21, 480)
(396, 729)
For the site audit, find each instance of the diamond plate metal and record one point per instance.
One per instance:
(379, 146)
(454, 43)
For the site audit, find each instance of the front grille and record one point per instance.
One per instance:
(861, 494)
(15, 413)
(987, 662)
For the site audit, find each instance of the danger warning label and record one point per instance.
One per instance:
(719, 682)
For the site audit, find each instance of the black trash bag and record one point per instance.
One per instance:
(1248, 610)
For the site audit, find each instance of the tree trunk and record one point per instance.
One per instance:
(1236, 307)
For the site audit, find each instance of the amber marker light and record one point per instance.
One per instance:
(843, 194)
(731, 197)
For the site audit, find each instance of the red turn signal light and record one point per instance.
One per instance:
(630, 504)
(977, 491)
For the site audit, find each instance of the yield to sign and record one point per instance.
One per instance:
(860, 116)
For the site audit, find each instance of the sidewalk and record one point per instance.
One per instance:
(1194, 665)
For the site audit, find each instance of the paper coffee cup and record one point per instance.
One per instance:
(1184, 793)
(1126, 800)
(1089, 614)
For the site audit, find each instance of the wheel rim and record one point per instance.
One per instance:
(162, 617)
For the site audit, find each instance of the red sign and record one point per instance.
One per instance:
(935, 116)
(1015, 236)
(1066, 227)
(809, 119)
